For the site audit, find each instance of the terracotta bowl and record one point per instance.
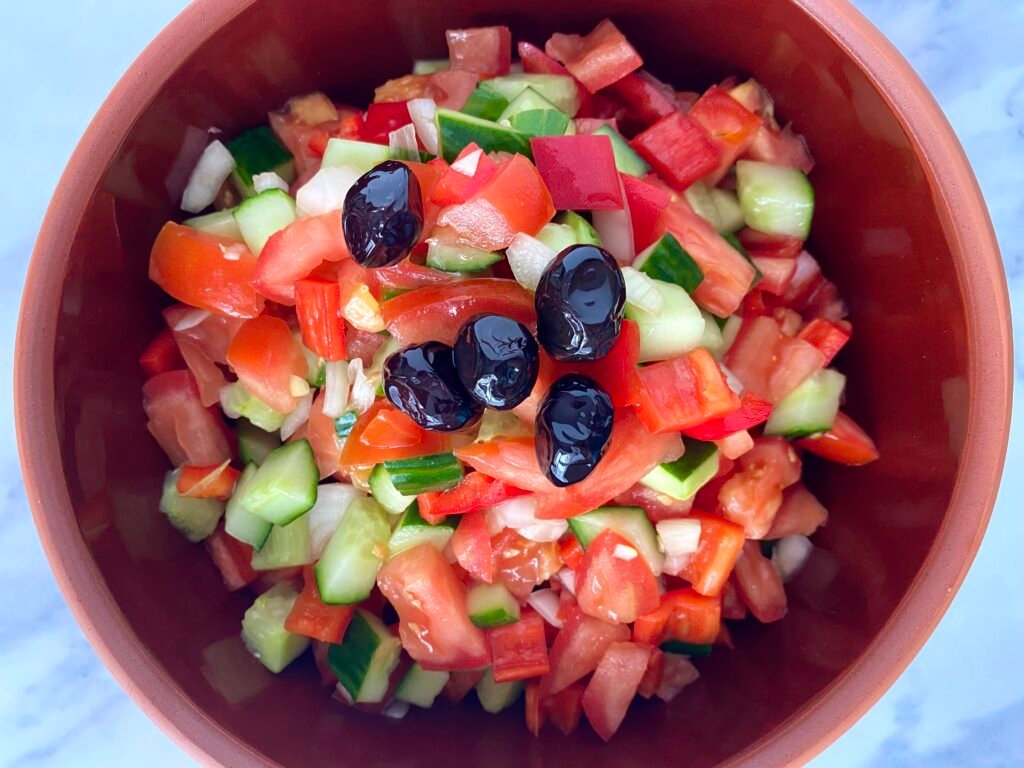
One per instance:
(900, 226)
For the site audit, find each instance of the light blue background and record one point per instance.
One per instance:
(960, 703)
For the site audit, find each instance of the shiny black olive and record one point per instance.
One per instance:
(383, 215)
(421, 382)
(574, 424)
(497, 360)
(579, 303)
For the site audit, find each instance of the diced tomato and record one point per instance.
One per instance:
(438, 312)
(451, 88)
(732, 606)
(612, 587)
(401, 89)
(718, 549)
(323, 438)
(752, 411)
(461, 682)
(362, 345)
(565, 708)
(184, 428)
(578, 648)
(658, 506)
(684, 392)
(391, 428)
(761, 244)
(827, 336)
(684, 615)
(571, 551)
(781, 147)
(731, 126)
(360, 452)
(312, 618)
(232, 557)
(295, 252)
(318, 307)
(776, 274)
(511, 460)
(617, 371)
(456, 186)
(535, 61)
(431, 605)
(775, 455)
(845, 443)
(647, 204)
(521, 564)
(484, 50)
(759, 585)
(598, 59)
(161, 355)
(407, 276)
(534, 709)
(382, 118)
(349, 126)
(192, 267)
(735, 444)
(800, 514)
(614, 685)
(579, 171)
(652, 675)
(679, 673)
(215, 482)
(204, 347)
(788, 320)
(476, 492)
(768, 362)
(519, 650)
(679, 149)
(647, 102)
(751, 498)
(265, 356)
(471, 545)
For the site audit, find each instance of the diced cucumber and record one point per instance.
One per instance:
(360, 155)
(422, 474)
(712, 338)
(456, 130)
(582, 229)
(421, 686)
(730, 215)
(412, 530)
(263, 629)
(682, 478)
(810, 408)
(775, 199)
(261, 216)
(542, 122)
(254, 443)
(631, 523)
(730, 331)
(285, 547)
(484, 103)
(364, 660)
(219, 223)
(259, 151)
(495, 424)
(429, 66)
(698, 195)
(626, 159)
(560, 90)
(491, 605)
(196, 518)
(458, 258)
(495, 697)
(344, 423)
(347, 570)
(386, 494)
(666, 260)
(332, 502)
(238, 521)
(236, 401)
(528, 100)
(676, 329)
(284, 486)
(686, 649)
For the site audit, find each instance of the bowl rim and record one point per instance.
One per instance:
(820, 720)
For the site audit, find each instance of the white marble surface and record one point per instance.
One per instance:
(961, 702)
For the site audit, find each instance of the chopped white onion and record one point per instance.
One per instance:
(191, 319)
(424, 116)
(680, 536)
(732, 380)
(568, 578)
(675, 563)
(518, 513)
(396, 709)
(362, 310)
(402, 143)
(336, 388)
(211, 171)
(261, 182)
(641, 292)
(325, 191)
(467, 165)
(790, 555)
(298, 417)
(736, 444)
(624, 552)
(616, 230)
(332, 502)
(298, 386)
(528, 257)
(225, 394)
(545, 602)
(364, 387)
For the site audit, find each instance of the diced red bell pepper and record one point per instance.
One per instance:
(571, 551)
(535, 61)
(232, 557)
(684, 392)
(679, 149)
(311, 617)
(731, 126)
(534, 708)
(457, 184)
(647, 103)
(719, 547)
(613, 686)
(382, 118)
(579, 171)
(565, 708)
(845, 443)
(215, 482)
(647, 204)
(684, 615)
(827, 336)
(318, 307)
(759, 584)
(597, 60)
(613, 587)
(471, 545)
(476, 492)
(752, 411)
(618, 371)
(484, 50)
(578, 648)
(519, 650)
(652, 676)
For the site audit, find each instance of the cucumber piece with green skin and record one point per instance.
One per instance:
(360, 155)
(698, 195)
(195, 518)
(560, 90)
(284, 486)
(457, 130)
(286, 546)
(347, 570)
(494, 696)
(421, 686)
(261, 216)
(582, 229)
(682, 478)
(263, 629)
(484, 103)
(365, 658)
(631, 523)
(386, 494)
(259, 151)
(422, 474)
(686, 649)
(254, 443)
(491, 605)
(412, 530)
(626, 159)
(527, 101)
(429, 66)
(236, 401)
(344, 423)
(810, 408)
(238, 521)
(542, 122)
(775, 199)
(219, 223)
(457, 258)
(667, 261)
(674, 330)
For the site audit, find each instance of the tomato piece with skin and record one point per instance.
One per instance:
(205, 271)
(614, 583)
(519, 650)
(471, 545)
(679, 149)
(780, 147)
(161, 355)
(598, 59)
(684, 615)
(776, 455)
(451, 88)
(521, 564)
(829, 337)
(187, 431)
(613, 686)
(312, 618)
(484, 50)
(750, 498)
(565, 708)
(759, 585)
(776, 274)
(731, 126)
(718, 549)
(360, 452)
(753, 410)
(265, 356)
(461, 682)
(845, 443)
(318, 308)
(214, 482)
(232, 557)
(536, 61)
(652, 675)
(762, 244)
(431, 603)
(382, 118)
(732, 606)
(571, 551)
(679, 673)
(323, 438)
(684, 392)
(618, 371)
(476, 492)
(457, 186)
(203, 346)
(578, 649)
(647, 204)
(646, 102)
(390, 428)
(658, 506)
(768, 362)
(510, 460)
(295, 251)
(579, 171)
(800, 514)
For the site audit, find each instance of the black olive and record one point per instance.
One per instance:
(579, 304)
(421, 382)
(497, 360)
(383, 215)
(574, 423)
